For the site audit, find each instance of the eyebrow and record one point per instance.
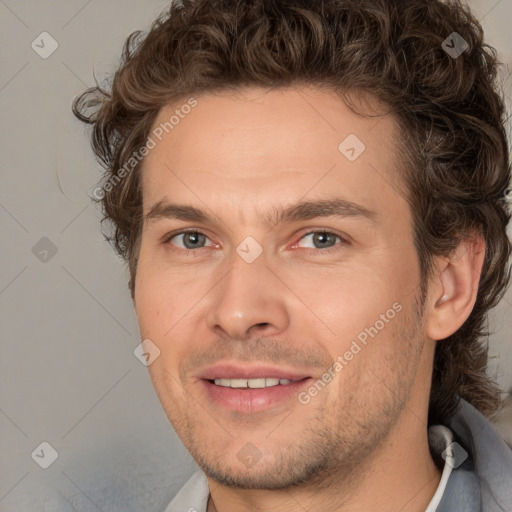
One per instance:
(305, 210)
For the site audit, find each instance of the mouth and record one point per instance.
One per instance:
(246, 389)
(244, 375)
(258, 383)
(240, 395)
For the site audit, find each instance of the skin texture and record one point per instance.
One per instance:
(361, 443)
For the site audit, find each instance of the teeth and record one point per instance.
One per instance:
(256, 383)
(252, 383)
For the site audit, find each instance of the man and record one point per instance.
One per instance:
(311, 200)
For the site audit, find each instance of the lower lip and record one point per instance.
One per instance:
(252, 400)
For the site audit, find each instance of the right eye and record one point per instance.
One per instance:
(190, 240)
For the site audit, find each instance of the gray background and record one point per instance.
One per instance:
(68, 375)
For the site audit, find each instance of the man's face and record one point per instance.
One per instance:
(250, 294)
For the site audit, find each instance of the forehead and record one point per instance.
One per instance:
(274, 143)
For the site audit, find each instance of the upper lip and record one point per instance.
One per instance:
(240, 371)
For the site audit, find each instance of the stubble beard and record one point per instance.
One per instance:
(327, 452)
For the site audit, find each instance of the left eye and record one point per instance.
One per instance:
(324, 239)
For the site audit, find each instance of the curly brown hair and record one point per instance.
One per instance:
(449, 109)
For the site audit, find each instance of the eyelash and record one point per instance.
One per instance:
(194, 252)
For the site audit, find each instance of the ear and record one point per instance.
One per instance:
(453, 290)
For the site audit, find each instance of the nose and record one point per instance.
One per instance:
(248, 301)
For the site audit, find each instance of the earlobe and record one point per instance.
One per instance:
(454, 289)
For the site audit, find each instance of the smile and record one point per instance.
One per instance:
(265, 382)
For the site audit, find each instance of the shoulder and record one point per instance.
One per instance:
(482, 473)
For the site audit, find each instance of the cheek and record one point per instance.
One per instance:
(348, 303)
(155, 296)
(344, 301)
(148, 304)
(165, 313)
